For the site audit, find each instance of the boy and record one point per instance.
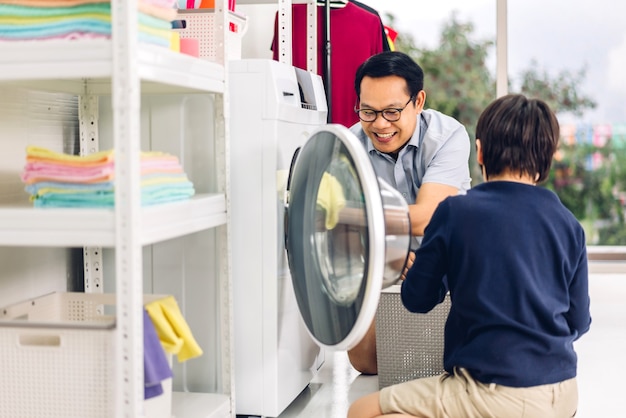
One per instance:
(516, 267)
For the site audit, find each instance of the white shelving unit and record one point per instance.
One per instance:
(284, 29)
(125, 70)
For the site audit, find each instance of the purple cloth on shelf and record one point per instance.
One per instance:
(155, 365)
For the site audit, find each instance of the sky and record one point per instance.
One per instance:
(561, 35)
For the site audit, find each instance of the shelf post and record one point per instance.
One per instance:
(311, 36)
(222, 160)
(284, 31)
(128, 251)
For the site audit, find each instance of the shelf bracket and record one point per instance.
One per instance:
(89, 144)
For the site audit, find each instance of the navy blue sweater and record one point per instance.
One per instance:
(515, 263)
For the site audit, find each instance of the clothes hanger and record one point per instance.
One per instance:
(334, 4)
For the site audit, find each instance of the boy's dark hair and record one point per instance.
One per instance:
(519, 135)
(391, 63)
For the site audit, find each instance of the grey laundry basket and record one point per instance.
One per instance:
(408, 345)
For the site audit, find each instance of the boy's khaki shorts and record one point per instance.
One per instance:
(458, 395)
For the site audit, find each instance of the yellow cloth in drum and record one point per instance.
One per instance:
(172, 329)
(331, 198)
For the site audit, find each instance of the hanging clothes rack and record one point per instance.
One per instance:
(327, 76)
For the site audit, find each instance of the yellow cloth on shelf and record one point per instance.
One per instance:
(35, 20)
(40, 154)
(35, 153)
(172, 329)
(331, 198)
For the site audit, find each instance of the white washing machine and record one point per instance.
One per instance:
(315, 234)
(274, 109)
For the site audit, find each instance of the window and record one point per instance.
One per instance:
(583, 46)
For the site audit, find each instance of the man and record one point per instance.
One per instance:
(516, 266)
(422, 153)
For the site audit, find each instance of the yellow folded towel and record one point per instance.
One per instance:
(34, 153)
(172, 329)
(331, 198)
(40, 154)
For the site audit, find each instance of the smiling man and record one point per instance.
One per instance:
(422, 153)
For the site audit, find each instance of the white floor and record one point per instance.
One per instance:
(601, 353)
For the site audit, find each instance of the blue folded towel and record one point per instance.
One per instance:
(57, 28)
(85, 198)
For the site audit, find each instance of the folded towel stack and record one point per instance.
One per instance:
(62, 180)
(74, 19)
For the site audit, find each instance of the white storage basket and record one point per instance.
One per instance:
(408, 345)
(57, 358)
(199, 24)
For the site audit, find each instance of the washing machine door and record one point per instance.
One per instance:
(347, 235)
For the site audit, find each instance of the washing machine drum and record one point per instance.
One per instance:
(347, 236)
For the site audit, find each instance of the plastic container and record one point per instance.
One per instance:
(58, 358)
(199, 24)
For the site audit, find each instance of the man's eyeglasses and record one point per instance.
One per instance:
(391, 114)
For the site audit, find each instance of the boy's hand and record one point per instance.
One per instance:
(407, 266)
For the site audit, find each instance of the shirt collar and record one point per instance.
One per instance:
(420, 127)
